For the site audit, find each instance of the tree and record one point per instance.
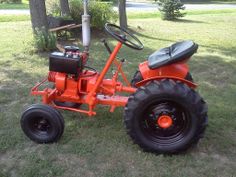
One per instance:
(65, 9)
(170, 9)
(122, 13)
(38, 15)
(44, 40)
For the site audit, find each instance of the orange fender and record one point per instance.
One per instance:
(175, 71)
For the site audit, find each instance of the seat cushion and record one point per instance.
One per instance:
(175, 53)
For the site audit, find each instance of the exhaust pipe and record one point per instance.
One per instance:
(86, 27)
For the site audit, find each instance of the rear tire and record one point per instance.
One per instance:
(42, 123)
(138, 78)
(187, 110)
(189, 77)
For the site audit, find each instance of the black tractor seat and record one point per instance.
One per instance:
(176, 52)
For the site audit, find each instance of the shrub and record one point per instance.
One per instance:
(110, 1)
(10, 1)
(170, 9)
(44, 41)
(53, 7)
(100, 12)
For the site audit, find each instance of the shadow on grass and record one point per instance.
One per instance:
(188, 21)
(213, 69)
(226, 51)
(139, 32)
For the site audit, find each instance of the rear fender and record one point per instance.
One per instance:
(175, 71)
(143, 82)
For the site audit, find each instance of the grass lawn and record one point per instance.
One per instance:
(14, 18)
(209, 1)
(99, 146)
(138, 15)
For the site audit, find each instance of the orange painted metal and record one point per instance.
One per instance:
(51, 76)
(91, 88)
(112, 100)
(175, 71)
(164, 121)
(122, 73)
(179, 70)
(60, 81)
(35, 89)
(47, 94)
(91, 96)
(91, 113)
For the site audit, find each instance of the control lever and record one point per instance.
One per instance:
(103, 40)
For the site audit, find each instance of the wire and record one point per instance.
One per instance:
(92, 69)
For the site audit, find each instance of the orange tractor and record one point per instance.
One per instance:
(162, 114)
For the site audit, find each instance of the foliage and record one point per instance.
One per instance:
(109, 1)
(10, 1)
(170, 9)
(23, 5)
(14, 6)
(53, 7)
(100, 12)
(45, 41)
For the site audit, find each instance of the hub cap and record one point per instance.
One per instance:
(40, 126)
(164, 121)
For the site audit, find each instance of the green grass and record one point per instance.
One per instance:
(138, 15)
(99, 146)
(23, 5)
(14, 18)
(209, 1)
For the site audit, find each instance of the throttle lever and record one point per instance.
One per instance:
(103, 40)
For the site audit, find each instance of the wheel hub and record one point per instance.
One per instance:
(164, 121)
(42, 125)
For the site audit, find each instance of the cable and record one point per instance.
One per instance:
(92, 69)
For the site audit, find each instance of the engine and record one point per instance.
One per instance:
(69, 62)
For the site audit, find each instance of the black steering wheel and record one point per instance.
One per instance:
(123, 36)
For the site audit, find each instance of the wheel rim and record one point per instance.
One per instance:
(165, 122)
(40, 126)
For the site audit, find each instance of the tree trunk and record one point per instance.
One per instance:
(122, 13)
(38, 15)
(65, 9)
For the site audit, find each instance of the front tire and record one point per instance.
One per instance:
(165, 117)
(42, 123)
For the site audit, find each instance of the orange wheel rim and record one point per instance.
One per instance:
(164, 121)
